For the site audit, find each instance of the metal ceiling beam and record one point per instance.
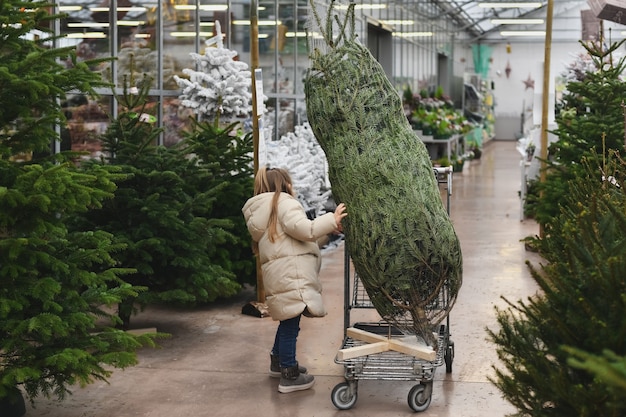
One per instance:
(565, 5)
(457, 14)
(469, 23)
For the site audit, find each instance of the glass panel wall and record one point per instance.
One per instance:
(155, 38)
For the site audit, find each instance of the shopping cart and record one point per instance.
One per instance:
(380, 351)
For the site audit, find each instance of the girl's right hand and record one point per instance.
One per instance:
(340, 213)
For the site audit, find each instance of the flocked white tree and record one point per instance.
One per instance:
(220, 88)
(300, 153)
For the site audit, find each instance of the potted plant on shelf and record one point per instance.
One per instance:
(442, 162)
(457, 164)
(435, 116)
(443, 129)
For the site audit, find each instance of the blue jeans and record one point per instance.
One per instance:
(285, 341)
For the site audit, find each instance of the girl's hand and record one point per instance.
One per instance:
(340, 213)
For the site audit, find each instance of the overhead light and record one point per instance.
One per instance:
(295, 34)
(105, 24)
(362, 7)
(413, 34)
(529, 33)
(88, 25)
(119, 9)
(190, 34)
(206, 34)
(206, 7)
(70, 8)
(397, 22)
(517, 21)
(509, 5)
(86, 35)
(131, 22)
(260, 23)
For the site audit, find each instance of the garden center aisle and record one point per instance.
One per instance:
(215, 363)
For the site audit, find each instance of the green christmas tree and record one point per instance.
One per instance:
(226, 152)
(581, 309)
(608, 367)
(592, 116)
(163, 212)
(55, 284)
(219, 94)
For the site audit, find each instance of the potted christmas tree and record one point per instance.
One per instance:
(55, 283)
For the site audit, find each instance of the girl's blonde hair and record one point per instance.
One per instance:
(276, 180)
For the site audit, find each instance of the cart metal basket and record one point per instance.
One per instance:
(391, 364)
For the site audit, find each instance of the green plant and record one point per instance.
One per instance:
(439, 120)
(162, 212)
(442, 162)
(55, 283)
(443, 129)
(227, 153)
(592, 119)
(457, 164)
(607, 367)
(438, 93)
(581, 307)
(407, 97)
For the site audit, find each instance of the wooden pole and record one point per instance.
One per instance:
(254, 63)
(545, 98)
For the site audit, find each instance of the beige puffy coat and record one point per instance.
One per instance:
(291, 264)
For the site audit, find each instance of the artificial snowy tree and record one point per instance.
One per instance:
(220, 89)
(300, 153)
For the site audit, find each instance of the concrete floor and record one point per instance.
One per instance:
(215, 363)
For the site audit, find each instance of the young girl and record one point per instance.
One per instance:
(284, 239)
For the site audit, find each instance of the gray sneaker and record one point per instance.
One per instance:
(291, 380)
(275, 367)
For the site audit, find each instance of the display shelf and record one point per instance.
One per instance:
(451, 147)
(478, 105)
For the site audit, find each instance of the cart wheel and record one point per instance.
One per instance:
(341, 396)
(419, 397)
(448, 356)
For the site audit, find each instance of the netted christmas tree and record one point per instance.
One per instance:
(401, 240)
(220, 87)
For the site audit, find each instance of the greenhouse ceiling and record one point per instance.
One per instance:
(469, 21)
(480, 19)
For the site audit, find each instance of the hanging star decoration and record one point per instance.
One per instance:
(529, 83)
